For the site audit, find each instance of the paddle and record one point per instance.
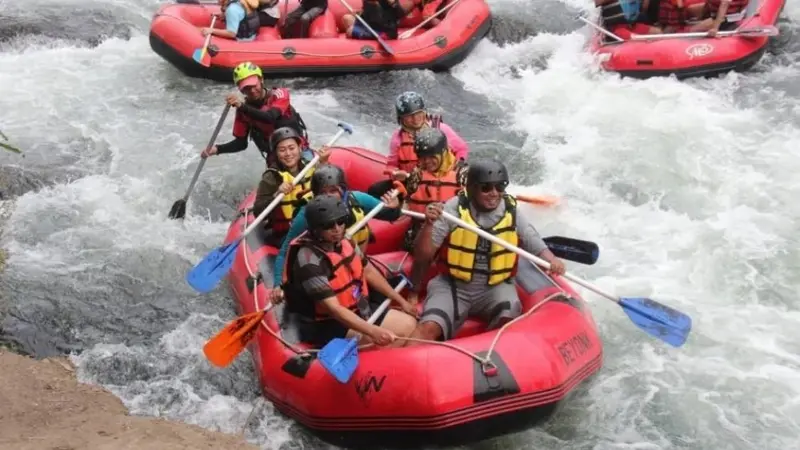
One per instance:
(539, 200)
(382, 43)
(768, 30)
(9, 147)
(600, 29)
(340, 356)
(226, 345)
(207, 273)
(201, 54)
(178, 210)
(408, 33)
(660, 321)
(223, 348)
(584, 252)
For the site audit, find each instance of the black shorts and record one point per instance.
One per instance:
(320, 333)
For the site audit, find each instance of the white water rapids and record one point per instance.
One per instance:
(689, 188)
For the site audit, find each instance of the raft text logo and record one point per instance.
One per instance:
(574, 347)
(368, 385)
(699, 50)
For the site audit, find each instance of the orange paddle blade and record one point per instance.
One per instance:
(540, 200)
(223, 348)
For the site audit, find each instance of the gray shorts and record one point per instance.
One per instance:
(490, 303)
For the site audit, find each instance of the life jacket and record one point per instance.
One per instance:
(458, 254)
(346, 277)
(406, 157)
(281, 217)
(620, 12)
(434, 189)
(734, 7)
(248, 27)
(261, 131)
(361, 237)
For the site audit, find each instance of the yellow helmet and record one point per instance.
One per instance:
(244, 70)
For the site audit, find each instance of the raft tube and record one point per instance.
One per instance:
(690, 57)
(424, 394)
(174, 35)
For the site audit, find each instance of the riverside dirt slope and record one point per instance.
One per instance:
(44, 407)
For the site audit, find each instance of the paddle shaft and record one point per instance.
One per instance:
(531, 257)
(208, 38)
(296, 180)
(409, 33)
(764, 31)
(210, 143)
(386, 302)
(366, 25)
(600, 29)
(360, 224)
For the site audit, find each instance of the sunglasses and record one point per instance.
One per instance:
(487, 187)
(336, 223)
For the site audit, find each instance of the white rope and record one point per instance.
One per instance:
(486, 361)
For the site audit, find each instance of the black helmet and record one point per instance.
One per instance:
(408, 103)
(327, 175)
(323, 210)
(486, 171)
(281, 134)
(430, 142)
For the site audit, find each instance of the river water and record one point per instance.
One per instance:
(689, 187)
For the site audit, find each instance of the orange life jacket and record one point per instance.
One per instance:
(433, 189)
(347, 279)
(406, 157)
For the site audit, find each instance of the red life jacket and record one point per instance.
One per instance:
(278, 98)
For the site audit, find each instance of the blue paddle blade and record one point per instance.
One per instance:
(340, 358)
(208, 272)
(663, 322)
(202, 57)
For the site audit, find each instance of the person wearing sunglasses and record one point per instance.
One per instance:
(285, 144)
(476, 277)
(329, 179)
(327, 283)
(438, 177)
(260, 113)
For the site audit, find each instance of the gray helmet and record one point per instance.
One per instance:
(281, 134)
(486, 171)
(327, 175)
(324, 210)
(430, 142)
(408, 103)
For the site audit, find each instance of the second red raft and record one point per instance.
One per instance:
(428, 393)
(695, 56)
(174, 35)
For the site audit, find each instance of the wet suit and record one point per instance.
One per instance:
(279, 113)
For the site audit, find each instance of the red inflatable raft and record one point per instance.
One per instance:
(174, 35)
(693, 56)
(428, 393)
